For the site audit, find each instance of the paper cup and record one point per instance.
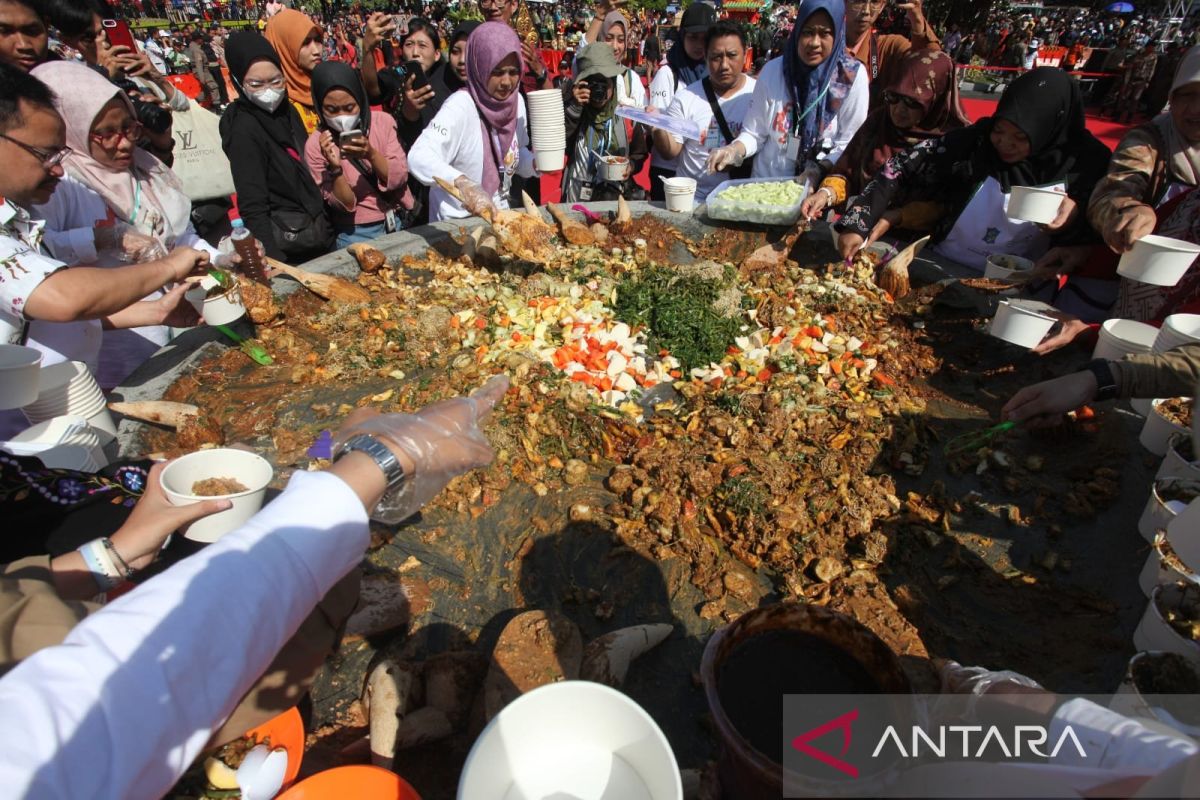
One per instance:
(1122, 337)
(1021, 322)
(19, 379)
(250, 469)
(1175, 465)
(549, 160)
(1003, 268)
(614, 168)
(1032, 204)
(1158, 260)
(1176, 330)
(220, 309)
(680, 194)
(1157, 430)
(1183, 531)
(574, 739)
(1154, 633)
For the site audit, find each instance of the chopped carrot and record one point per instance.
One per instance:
(480, 323)
(836, 366)
(516, 336)
(882, 379)
(858, 363)
(604, 383)
(581, 377)
(675, 373)
(455, 322)
(776, 339)
(764, 375)
(830, 323)
(1084, 412)
(815, 331)
(741, 373)
(733, 351)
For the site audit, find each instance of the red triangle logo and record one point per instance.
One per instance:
(842, 723)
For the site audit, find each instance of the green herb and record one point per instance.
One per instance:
(742, 496)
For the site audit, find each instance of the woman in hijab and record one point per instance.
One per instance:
(1036, 138)
(116, 204)
(479, 139)
(297, 43)
(922, 103)
(595, 132)
(815, 89)
(355, 157)
(614, 31)
(264, 139)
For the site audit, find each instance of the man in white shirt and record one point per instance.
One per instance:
(730, 88)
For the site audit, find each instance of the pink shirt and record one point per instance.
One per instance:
(371, 206)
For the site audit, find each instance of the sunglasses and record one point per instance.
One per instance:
(891, 98)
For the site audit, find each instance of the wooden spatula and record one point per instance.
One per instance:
(893, 278)
(160, 412)
(772, 255)
(574, 232)
(531, 207)
(330, 287)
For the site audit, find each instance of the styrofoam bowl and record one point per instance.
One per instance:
(19, 379)
(1158, 260)
(1022, 322)
(220, 309)
(1122, 337)
(1140, 405)
(1032, 204)
(250, 469)
(1158, 513)
(680, 194)
(1177, 330)
(575, 739)
(1130, 702)
(1183, 530)
(614, 168)
(1157, 430)
(549, 160)
(1174, 465)
(1002, 267)
(1153, 632)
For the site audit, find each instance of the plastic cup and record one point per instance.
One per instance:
(574, 739)
(1158, 260)
(250, 469)
(19, 379)
(1022, 322)
(614, 168)
(1122, 337)
(1157, 431)
(220, 309)
(680, 194)
(549, 160)
(1003, 268)
(1032, 204)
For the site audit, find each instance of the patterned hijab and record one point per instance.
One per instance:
(818, 92)
(487, 46)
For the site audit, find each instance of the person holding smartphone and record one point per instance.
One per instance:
(356, 157)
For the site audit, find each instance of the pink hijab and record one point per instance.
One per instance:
(149, 190)
(487, 46)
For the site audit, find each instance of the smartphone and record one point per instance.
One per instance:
(347, 136)
(118, 33)
(420, 79)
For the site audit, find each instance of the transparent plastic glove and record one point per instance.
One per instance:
(811, 177)
(128, 243)
(475, 199)
(443, 440)
(731, 155)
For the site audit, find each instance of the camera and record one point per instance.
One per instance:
(596, 84)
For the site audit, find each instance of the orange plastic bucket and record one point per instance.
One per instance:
(286, 731)
(358, 781)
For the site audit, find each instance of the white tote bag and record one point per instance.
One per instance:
(199, 160)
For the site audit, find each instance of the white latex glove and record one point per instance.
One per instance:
(443, 440)
(731, 155)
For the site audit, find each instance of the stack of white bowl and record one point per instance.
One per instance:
(547, 129)
(69, 388)
(1176, 329)
(1124, 337)
(19, 375)
(65, 442)
(680, 194)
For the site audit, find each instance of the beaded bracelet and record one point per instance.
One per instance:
(104, 572)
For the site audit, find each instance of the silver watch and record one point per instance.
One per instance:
(393, 471)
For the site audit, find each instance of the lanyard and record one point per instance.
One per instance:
(874, 57)
(797, 120)
(137, 201)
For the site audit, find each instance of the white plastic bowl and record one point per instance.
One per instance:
(1173, 464)
(550, 160)
(1032, 204)
(1153, 632)
(575, 739)
(1022, 322)
(1176, 330)
(680, 194)
(19, 379)
(1183, 531)
(1157, 430)
(1122, 337)
(220, 309)
(1003, 268)
(1158, 260)
(614, 168)
(250, 469)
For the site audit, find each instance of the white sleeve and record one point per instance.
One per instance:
(756, 126)
(63, 237)
(638, 91)
(662, 88)
(526, 167)
(676, 110)
(851, 115)
(1112, 741)
(127, 702)
(189, 238)
(434, 150)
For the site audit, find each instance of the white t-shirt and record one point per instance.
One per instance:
(452, 145)
(765, 129)
(691, 103)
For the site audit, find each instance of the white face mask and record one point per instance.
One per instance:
(267, 98)
(343, 122)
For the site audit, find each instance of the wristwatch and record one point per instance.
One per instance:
(1106, 384)
(393, 471)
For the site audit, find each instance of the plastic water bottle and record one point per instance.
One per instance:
(246, 247)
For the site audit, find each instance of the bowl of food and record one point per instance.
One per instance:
(220, 473)
(614, 168)
(1034, 204)
(217, 305)
(1168, 417)
(1007, 268)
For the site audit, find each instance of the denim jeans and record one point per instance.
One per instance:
(361, 233)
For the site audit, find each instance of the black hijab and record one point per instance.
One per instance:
(450, 78)
(242, 50)
(330, 75)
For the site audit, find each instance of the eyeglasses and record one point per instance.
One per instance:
(891, 98)
(866, 3)
(49, 158)
(274, 83)
(130, 130)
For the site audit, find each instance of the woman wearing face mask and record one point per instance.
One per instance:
(116, 204)
(264, 139)
(297, 41)
(807, 104)
(1036, 138)
(355, 157)
(921, 103)
(479, 139)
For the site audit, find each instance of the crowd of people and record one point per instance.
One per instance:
(343, 130)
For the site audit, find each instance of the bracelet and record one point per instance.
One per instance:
(98, 563)
(830, 194)
(334, 172)
(112, 549)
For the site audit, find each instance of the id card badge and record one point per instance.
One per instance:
(390, 224)
(793, 147)
(585, 192)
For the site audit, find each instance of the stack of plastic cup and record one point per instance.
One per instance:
(548, 130)
(69, 388)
